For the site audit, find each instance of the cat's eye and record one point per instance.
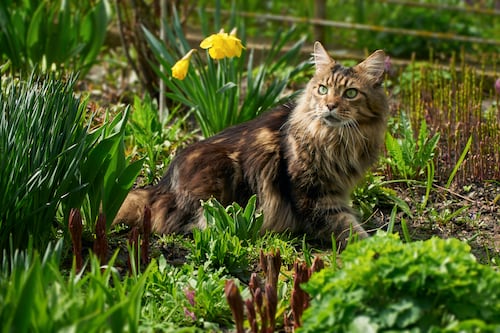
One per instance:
(322, 90)
(351, 93)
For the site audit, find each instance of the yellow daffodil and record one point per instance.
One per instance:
(180, 69)
(222, 45)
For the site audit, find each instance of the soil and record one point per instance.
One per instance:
(470, 213)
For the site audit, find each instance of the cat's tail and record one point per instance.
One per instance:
(131, 211)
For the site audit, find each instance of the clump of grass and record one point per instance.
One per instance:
(42, 143)
(52, 162)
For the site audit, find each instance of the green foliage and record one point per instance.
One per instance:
(106, 174)
(37, 297)
(50, 162)
(417, 75)
(426, 286)
(151, 139)
(228, 91)
(185, 296)
(409, 156)
(39, 34)
(42, 144)
(407, 17)
(225, 241)
(440, 17)
(243, 223)
(373, 193)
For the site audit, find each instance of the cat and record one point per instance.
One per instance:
(302, 159)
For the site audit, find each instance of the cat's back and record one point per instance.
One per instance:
(245, 148)
(248, 141)
(261, 130)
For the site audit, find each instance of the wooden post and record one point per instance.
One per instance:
(319, 13)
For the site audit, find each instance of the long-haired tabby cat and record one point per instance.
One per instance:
(301, 160)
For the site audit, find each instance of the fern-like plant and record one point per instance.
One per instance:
(408, 156)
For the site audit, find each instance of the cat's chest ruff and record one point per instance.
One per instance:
(324, 158)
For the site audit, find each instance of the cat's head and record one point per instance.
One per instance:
(339, 96)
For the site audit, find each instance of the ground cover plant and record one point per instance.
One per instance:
(65, 161)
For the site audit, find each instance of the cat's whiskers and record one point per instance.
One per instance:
(362, 139)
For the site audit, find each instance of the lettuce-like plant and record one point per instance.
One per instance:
(387, 285)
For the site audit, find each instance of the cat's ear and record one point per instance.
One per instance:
(321, 57)
(373, 66)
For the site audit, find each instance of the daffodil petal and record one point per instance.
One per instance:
(180, 69)
(216, 53)
(222, 45)
(208, 42)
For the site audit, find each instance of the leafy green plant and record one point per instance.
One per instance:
(408, 156)
(151, 139)
(105, 173)
(243, 223)
(227, 91)
(374, 192)
(385, 284)
(225, 242)
(39, 34)
(186, 296)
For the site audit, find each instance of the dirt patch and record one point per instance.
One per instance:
(470, 213)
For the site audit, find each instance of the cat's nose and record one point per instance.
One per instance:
(331, 106)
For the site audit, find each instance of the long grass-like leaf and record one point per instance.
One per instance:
(428, 184)
(392, 219)
(43, 137)
(459, 162)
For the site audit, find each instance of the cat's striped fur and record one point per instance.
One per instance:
(302, 160)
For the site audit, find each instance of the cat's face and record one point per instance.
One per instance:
(342, 96)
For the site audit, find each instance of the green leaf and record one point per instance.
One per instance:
(396, 153)
(93, 31)
(226, 87)
(113, 198)
(459, 162)
(34, 43)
